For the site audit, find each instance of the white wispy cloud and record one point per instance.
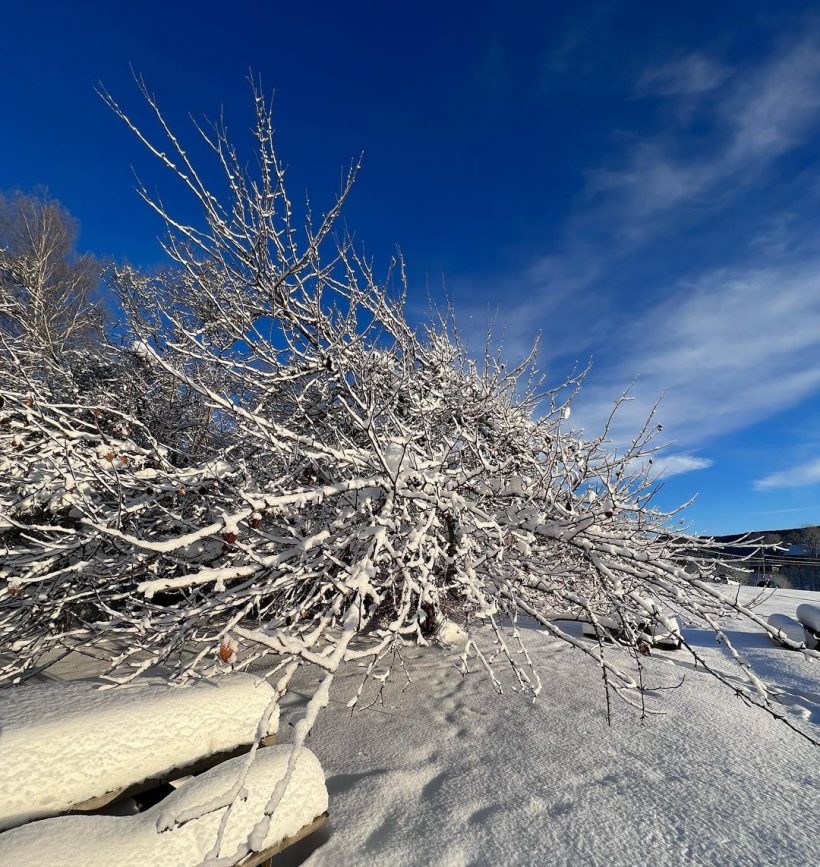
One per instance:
(811, 508)
(735, 346)
(693, 73)
(799, 476)
(756, 120)
(770, 112)
(727, 345)
(666, 466)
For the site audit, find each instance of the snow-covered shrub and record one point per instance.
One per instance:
(324, 483)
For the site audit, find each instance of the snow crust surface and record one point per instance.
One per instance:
(64, 743)
(134, 841)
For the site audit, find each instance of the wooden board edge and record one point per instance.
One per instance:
(259, 859)
(205, 763)
(97, 803)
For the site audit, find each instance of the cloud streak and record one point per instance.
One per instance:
(729, 344)
(666, 466)
(693, 73)
(800, 476)
(731, 348)
(753, 122)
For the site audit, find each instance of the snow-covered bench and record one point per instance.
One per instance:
(791, 629)
(809, 616)
(135, 841)
(655, 634)
(71, 747)
(788, 626)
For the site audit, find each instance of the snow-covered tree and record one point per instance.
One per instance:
(49, 303)
(280, 470)
(810, 537)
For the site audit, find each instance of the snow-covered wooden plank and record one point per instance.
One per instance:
(181, 772)
(124, 841)
(71, 746)
(263, 859)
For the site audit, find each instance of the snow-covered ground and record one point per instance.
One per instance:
(446, 772)
(449, 773)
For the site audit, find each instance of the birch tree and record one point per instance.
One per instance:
(49, 301)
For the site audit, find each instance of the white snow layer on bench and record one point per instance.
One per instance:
(809, 616)
(789, 627)
(126, 841)
(62, 744)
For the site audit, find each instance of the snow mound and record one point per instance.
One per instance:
(123, 841)
(451, 634)
(63, 744)
(790, 627)
(809, 615)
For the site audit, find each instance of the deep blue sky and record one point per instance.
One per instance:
(638, 182)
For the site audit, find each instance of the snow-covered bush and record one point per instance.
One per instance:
(281, 468)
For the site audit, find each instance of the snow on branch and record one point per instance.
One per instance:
(287, 469)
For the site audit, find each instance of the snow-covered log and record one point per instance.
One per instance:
(663, 634)
(122, 841)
